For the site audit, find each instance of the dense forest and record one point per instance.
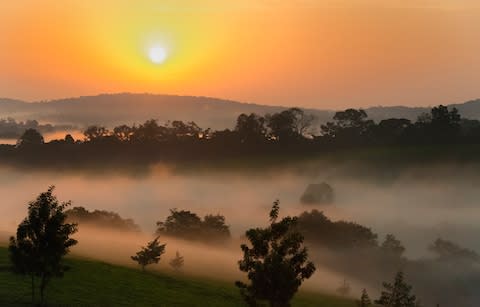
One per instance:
(286, 133)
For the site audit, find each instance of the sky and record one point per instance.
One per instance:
(312, 53)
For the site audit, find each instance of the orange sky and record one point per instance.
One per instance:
(315, 53)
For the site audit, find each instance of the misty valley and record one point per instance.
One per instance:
(360, 213)
(255, 153)
(345, 236)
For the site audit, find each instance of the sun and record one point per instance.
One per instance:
(157, 54)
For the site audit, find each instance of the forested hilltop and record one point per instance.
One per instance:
(288, 134)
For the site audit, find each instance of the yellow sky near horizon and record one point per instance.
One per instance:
(314, 53)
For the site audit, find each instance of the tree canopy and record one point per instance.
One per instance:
(320, 230)
(364, 300)
(102, 219)
(397, 294)
(30, 137)
(149, 254)
(188, 225)
(42, 240)
(276, 262)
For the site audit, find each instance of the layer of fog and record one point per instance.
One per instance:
(213, 262)
(416, 211)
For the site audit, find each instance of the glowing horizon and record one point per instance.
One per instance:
(323, 54)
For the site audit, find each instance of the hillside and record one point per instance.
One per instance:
(115, 109)
(91, 283)
(118, 109)
(469, 109)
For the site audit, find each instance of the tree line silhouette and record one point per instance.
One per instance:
(289, 132)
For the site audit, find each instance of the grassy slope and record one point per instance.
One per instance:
(92, 283)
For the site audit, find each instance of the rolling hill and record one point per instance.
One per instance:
(93, 283)
(114, 109)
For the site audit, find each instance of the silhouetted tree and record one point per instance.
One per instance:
(276, 263)
(69, 139)
(214, 227)
(93, 133)
(364, 300)
(288, 125)
(177, 262)
(250, 128)
(150, 131)
(445, 124)
(441, 125)
(188, 225)
(123, 133)
(441, 116)
(149, 254)
(350, 118)
(180, 130)
(397, 294)
(320, 230)
(30, 137)
(303, 121)
(181, 224)
(349, 126)
(42, 240)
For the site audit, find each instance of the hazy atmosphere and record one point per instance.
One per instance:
(427, 200)
(281, 153)
(437, 204)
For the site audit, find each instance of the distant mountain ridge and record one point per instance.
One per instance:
(115, 109)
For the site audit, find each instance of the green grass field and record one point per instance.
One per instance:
(93, 283)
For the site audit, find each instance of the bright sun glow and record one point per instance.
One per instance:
(157, 54)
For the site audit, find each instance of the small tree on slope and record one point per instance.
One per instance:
(177, 262)
(149, 254)
(364, 300)
(276, 263)
(397, 294)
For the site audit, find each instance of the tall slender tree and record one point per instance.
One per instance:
(177, 262)
(397, 294)
(42, 240)
(364, 300)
